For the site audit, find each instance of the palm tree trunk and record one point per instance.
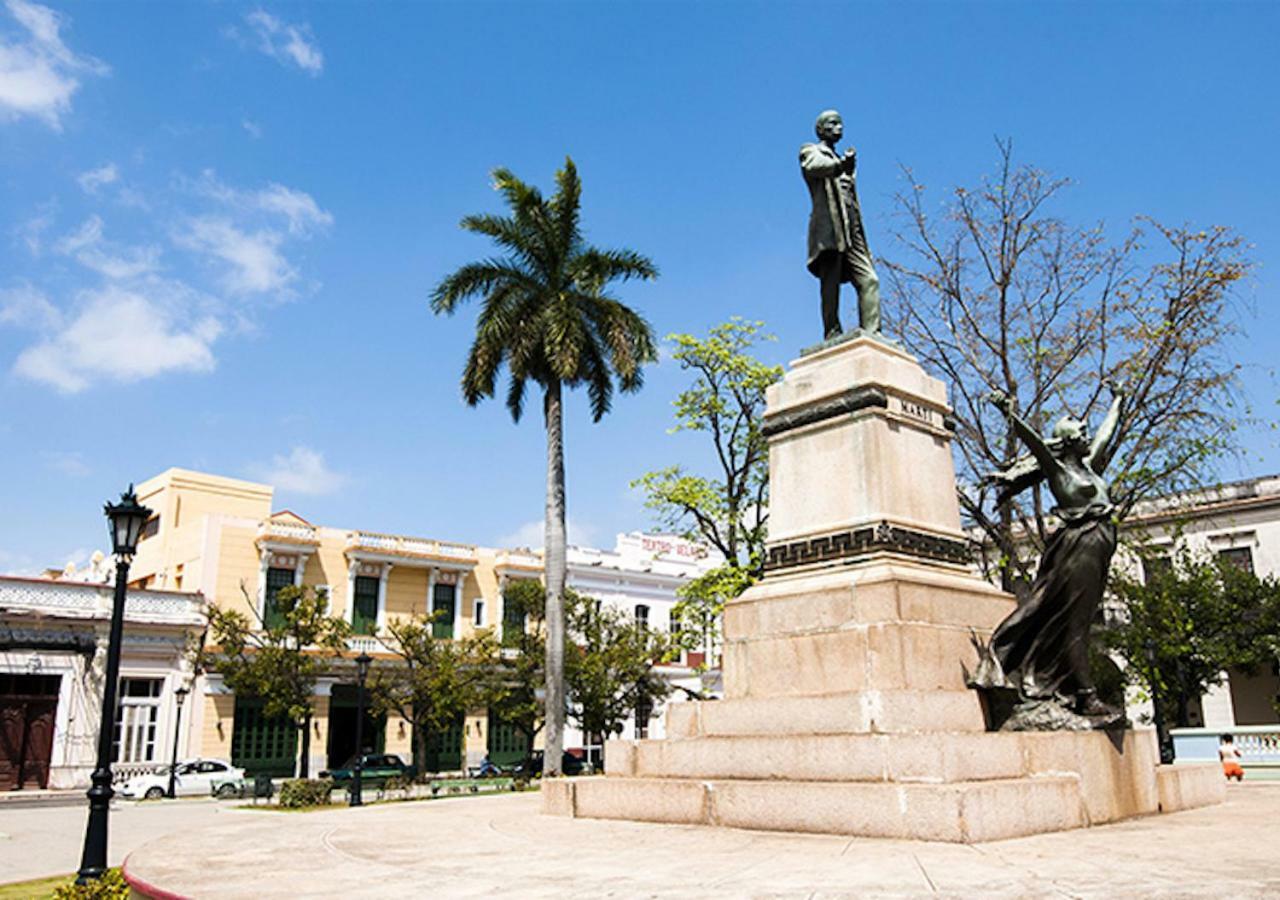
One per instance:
(554, 568)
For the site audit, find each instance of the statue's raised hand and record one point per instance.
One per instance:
(1114, 387)
(1000, 400)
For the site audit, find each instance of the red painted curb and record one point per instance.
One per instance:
(144, 887)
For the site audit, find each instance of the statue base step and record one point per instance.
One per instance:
(927, 786)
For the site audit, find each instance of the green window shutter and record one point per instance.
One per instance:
(513, 623)
(364, 607)
(276, 579)
(443, 600)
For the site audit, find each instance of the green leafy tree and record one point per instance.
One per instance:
(727, 510)
(995, 292)
(1191, 618)
(275, 661)
(522, 669)
(545, 316)
(435, 680)
(610, 664)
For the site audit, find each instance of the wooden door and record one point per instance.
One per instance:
(35, 761)
(13, 726)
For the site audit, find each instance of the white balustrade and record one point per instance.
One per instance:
(409, 546)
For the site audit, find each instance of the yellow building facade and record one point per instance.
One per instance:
(220, 536)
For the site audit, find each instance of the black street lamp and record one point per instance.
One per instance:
(126, 520)
(179, 695)
(357, 788)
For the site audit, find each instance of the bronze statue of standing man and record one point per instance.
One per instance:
(837, 244)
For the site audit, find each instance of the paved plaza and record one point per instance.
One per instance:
(44, 839)
(481, 847)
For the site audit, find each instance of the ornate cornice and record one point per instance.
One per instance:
(856, 542)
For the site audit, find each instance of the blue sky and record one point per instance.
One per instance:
(219, 223)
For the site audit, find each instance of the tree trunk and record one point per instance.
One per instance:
(304, 763)
(553, 562)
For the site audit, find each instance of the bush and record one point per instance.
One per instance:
(111, 886)
(396, 783)
(299, 793)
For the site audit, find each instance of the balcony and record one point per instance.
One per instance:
(371, 543)
(365, 643)
(519, 559)
(276, 531)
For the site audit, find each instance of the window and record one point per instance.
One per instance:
(1155, 566)
(137, 712)
(1240, 557)
(674, 625)
(644, 712)
(208, 765)
(512, 622)
(276, 579)
(150, 529)
(442, 605)
(364, 605)
(642, 615)
(479, 614)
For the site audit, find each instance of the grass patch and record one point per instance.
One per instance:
(38, 889)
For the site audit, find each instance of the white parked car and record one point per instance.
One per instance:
(195, 778)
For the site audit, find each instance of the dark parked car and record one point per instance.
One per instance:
(375, 769)
(531, 765)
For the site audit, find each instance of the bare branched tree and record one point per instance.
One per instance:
(993, 292)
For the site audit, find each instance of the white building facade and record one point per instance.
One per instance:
(53, 645)
(641, 576)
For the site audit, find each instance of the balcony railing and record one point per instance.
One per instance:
(1259, 746)
(364, 643)
(288, 532)
(399, 545)
(94, 601)
(525, 559)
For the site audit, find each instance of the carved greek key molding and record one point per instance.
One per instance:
(856, 542)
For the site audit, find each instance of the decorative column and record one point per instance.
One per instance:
(353, 569)
(431, 591)
(382, 595)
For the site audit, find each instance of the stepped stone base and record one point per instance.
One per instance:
(964, 812)
(962, 787)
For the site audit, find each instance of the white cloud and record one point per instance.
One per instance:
(303, 471)
(92, 251)
(254, 263)
(253, 128)
(94, 179)
(530, 534)
(285, 43)
(298, 207)
(26, 307)
(37, 70)
(32, 231)
(69, 463)
(121, 335)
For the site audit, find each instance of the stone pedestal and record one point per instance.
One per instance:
(845, 706)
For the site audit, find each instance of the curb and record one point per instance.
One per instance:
(142, 888)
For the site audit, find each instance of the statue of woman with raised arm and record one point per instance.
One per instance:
(1042, 648)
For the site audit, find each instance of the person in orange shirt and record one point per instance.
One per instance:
(1230, 757)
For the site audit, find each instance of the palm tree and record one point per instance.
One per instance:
(545, 316)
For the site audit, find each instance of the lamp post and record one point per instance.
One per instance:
(126, 520)
(1157, 707)
(179, 695)
(357, 787)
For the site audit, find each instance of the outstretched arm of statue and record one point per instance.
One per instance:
(1101, 449)
(1025, 432)
(816, 164)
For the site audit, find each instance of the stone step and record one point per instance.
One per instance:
(963, 812)
(853, 712)
(933, 757)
